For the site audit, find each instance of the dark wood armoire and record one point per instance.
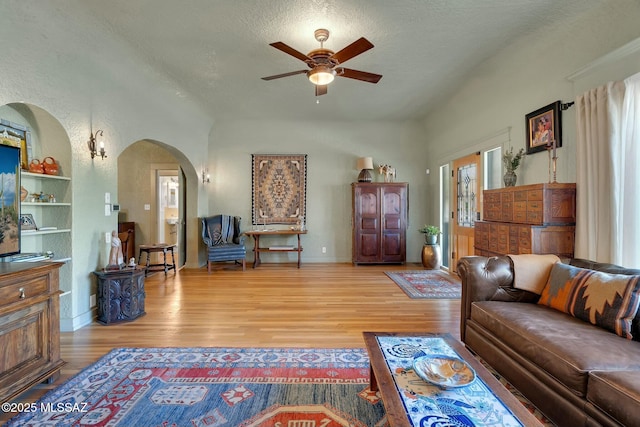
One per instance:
(379, 222)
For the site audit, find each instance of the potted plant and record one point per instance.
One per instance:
(430, 249)
(511, 162)
(431, 233)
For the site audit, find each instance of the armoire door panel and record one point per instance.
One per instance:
(392, 223)
(392, 243)
(369, 245)
(392, 203)
(368, 204)
(369, 224)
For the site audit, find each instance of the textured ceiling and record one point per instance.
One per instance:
(216, 51)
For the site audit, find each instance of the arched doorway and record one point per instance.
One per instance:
(141, 168)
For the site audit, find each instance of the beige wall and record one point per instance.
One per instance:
(332, 149)
(528, 75)
(137, 169)
(86, 81)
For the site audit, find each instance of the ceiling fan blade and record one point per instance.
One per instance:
(356, 48)
(291, 51)
(277, 76)
(359, 75)
(321, 90)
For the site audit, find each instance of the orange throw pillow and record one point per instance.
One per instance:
(607, 300)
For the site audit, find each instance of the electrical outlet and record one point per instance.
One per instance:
(92, 301)
(107, 237)
(324, 250)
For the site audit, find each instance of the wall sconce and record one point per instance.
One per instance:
(92, 145)
(205, 176)
(365, 164)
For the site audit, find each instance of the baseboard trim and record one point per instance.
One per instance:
(73, 324)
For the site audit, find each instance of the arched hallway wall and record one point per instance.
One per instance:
(87, 81)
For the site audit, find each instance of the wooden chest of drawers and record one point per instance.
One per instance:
(529, 219)
(29, 326)
(536, 204)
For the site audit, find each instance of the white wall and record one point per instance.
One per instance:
(528, 75)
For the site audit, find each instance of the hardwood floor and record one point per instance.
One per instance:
(275, 305)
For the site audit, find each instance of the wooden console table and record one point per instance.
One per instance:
(257, 249)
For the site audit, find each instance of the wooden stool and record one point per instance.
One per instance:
(158, 247)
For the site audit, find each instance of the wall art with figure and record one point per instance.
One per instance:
(544, 128)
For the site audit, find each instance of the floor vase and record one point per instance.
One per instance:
(431, 257)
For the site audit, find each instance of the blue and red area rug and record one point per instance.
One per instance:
(168, 387)
(427, 284)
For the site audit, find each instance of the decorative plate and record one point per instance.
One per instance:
(444, 371)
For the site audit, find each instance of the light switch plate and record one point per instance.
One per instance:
(107, 197)
(107, 237)
(107, 210)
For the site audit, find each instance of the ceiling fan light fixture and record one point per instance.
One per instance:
(321, 75)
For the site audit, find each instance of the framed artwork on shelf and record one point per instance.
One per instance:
(27, 222)
(9, 200)
(16, 135)
(278, 188)
(544, 128)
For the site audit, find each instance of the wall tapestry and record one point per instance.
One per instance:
(279, 188)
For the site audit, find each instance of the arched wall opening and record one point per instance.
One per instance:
(47, 138)
(139, 167)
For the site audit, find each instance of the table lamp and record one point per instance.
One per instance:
(365, 164)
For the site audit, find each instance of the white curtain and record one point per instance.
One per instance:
(608, 173)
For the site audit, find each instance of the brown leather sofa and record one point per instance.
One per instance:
(576, 373)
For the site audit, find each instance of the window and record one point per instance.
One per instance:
(492, 168)
(445, 208)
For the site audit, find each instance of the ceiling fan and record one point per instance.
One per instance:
(325, 64)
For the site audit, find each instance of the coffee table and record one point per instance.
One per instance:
(411, 401)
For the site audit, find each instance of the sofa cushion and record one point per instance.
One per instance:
(607, 300)
(556, 342)
(617, 394)
(531, 271)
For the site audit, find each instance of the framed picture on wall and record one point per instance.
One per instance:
(543, 128)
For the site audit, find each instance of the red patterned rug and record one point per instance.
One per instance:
(214, 387)
(427, 284)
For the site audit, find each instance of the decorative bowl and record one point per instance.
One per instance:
(444, 371)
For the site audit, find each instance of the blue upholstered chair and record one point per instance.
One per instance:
(221, 234)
